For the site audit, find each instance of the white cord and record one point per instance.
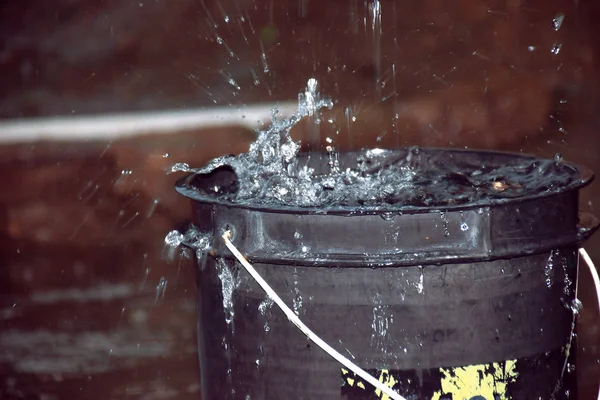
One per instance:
(588, 260)
(119, 126)
(293, 318)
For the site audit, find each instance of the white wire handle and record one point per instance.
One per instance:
(293, 318)
(594, 272)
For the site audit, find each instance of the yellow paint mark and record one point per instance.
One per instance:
(360, 385)
(344, 371)
(350, 381)
(388, 380)
(487, 381)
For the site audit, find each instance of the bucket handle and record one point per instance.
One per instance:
(293, 318)
(596, 279)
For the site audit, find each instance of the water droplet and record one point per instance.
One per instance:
(388, 216)
(266, 327)
(464, 227)
(161, 288)
(126, 172)
(166, 155)
(420, 285)
(558, 158)
(233, 83)
(530, 48)
(297, 301)
(265, 305)
(297, 235)
(549, 269)
(557, 21)
(173, 238)
(556, 49)
(445, 223)
(576, 306)
(152, 208)
(180, 167)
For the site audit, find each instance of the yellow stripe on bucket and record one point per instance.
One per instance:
(489, 382)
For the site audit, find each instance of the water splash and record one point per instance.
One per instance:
(273, 172)
(192, 239)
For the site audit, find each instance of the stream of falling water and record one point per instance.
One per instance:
(374, 8)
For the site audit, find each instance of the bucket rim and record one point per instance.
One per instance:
(583, 178)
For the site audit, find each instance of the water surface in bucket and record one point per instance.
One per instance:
(274, 173)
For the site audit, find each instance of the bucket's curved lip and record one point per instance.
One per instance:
(584, 178)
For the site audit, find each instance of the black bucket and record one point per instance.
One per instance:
(461, 301)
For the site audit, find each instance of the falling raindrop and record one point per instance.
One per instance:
(152, 208)
(557, 21)
(556, 49)
(161, 288)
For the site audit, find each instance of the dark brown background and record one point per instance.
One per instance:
(82, 224)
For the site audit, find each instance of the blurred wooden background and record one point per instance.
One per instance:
(83, 312)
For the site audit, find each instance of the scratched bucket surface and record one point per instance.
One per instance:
(432, 309)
